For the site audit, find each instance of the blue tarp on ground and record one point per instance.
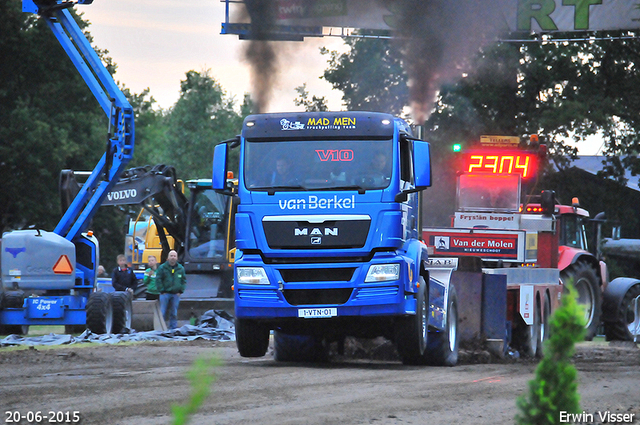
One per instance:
(213, 327)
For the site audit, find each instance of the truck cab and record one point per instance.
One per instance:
(327, 231)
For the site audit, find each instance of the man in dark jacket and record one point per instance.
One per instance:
(123, 278)
(171, 280)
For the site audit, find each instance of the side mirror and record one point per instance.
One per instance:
(422, 164)
(219, 177)
(548, 202)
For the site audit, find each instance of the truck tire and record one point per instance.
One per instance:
(621, 328)
(588, 293)
(411, 332)
(12, 300)
(122, 311)
(252, 338)
(528, 336)
(99, 313)
(74, 329)
(299, 348)
(442, 347)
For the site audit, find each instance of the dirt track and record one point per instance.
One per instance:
(136, 384)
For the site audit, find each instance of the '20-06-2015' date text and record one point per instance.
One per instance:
(39, 417)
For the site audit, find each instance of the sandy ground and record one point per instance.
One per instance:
(138, 383)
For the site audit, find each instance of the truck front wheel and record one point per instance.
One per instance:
(588, 293)
(252, 338)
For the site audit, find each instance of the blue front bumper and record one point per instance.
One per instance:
(283, 298)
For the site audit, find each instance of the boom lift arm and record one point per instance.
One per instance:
(48, 278)
(120, 138)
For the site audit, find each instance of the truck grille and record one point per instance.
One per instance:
(317, 296)
(317, 275)
(330, 234)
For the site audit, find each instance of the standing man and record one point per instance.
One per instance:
(123, 278)
(150, 279)
(171, 280)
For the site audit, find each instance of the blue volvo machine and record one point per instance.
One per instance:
(328, 237)
(48, 278)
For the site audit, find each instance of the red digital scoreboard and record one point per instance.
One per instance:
(501, 162)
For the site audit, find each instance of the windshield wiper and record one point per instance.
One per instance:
(361, 190)
(272, 189)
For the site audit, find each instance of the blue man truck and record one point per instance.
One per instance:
(49, 278)
(328, 237)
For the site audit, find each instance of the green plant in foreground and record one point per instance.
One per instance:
(554, 388)
(201, 377)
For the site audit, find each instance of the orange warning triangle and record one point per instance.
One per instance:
(63, 266)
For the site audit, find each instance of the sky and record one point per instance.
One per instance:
(154, 43)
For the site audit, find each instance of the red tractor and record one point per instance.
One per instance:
(576, 263)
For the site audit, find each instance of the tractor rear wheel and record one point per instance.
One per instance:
(584, 279)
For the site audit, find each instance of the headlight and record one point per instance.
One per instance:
(383, 272)
(252, 276)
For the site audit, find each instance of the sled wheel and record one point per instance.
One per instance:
(411, 331)
(528, 336)
(544, 326)
(442, 347)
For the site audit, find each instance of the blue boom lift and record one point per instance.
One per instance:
(48, 278)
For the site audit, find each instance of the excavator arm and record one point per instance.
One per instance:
(156, 189)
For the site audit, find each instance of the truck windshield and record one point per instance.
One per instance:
(318, 165)
(207, 231)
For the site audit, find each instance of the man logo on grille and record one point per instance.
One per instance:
(316, 241)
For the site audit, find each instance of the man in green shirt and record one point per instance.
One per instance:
(171, 280)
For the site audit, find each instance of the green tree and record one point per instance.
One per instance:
(315, 104)
(49, 120)
(370, 75)
(203, 116)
